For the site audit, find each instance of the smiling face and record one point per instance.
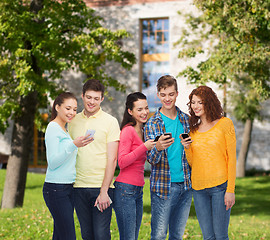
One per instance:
(92, 100)
(197, 106)
(140, 111)
(67, 110)
(168, 97)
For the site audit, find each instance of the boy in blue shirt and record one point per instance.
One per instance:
(170, 182)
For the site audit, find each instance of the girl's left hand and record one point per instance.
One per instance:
(186, 142)
(229, 200)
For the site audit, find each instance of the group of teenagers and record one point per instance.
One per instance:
(83, 150)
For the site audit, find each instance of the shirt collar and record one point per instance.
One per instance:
(94, 116)
(158, 114)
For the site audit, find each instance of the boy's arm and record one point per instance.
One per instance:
(153, 155)
(103, 198)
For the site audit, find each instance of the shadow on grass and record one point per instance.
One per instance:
(147, 208)
(252, 198)
(32, 187)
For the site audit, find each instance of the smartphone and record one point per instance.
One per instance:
(166, 134)
(185, 135)
(98, 203)
(91, 132)
(156, 139)
(169, 135)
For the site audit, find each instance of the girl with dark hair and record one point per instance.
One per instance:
(61, 153)
(211, 153)
(128, 193)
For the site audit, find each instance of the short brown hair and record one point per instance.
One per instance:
(94, 85)
(166, 81)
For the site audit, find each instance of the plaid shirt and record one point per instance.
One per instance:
(160, 178)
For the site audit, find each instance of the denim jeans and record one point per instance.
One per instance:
(211, 212)
(128, 207)
(172, 212)
(95, 225)
(59, 198)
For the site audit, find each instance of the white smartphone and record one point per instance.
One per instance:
(91, 132)
(98, 203)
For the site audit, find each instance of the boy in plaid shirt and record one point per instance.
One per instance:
(170, 182)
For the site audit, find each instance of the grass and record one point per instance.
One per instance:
(250, 218)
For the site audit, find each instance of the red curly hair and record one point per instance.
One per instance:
(211, 103)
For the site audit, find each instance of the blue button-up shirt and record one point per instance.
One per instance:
(160, 178)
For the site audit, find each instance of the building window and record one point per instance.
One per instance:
(38, 156)
(154, 57)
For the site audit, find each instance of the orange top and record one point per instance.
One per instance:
(212, 156)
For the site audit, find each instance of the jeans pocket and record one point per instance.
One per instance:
(124, 191)
(128, 192)
(46, 192)
(222, 186)
(46, 196)
(46, 189)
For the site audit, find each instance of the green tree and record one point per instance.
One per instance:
(39, 39)
(234, 38)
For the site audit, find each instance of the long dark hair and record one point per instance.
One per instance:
(211, 103)
(131, 98)
(59, 100)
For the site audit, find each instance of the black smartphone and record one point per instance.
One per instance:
(156, 139)
(169, 135)
(185, 135)
(165, 134)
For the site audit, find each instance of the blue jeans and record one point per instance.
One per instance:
(128, 206)
(211, 212)
(59, 198)
(95, 225)
(172, 212)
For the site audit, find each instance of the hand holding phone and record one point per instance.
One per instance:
(98, 203)
(91, 132)
(165, 134)
(169, 135)
(185, 135)
(185, 142)
(164, 142)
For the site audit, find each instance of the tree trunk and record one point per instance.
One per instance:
(21, 147)
(22, 137)
(242, 157)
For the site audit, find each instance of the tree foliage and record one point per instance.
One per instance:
(235, 37)
(42, 38)
(39, 39)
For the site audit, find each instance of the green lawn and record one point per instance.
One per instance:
(250, 216)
